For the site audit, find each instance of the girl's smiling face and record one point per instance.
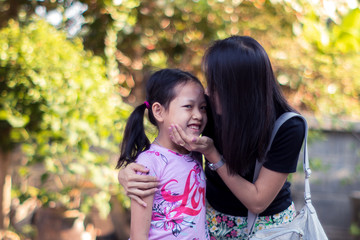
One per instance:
(188, 110)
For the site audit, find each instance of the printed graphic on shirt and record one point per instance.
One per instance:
(171, 211)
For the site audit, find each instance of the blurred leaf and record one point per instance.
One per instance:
(354, 229)
(61, 107)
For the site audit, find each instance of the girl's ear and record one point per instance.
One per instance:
(158, 111)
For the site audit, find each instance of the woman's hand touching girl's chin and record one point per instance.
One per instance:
(202, 144)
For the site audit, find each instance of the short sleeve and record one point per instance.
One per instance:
(284, 152)
(152, 161)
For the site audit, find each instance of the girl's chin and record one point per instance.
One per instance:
(194, 133)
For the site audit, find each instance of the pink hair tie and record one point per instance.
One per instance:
(147, 104)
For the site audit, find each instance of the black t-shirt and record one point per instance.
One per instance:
(282, 157)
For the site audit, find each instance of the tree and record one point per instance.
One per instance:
(319, 68)
(58, 105)
(307, 41)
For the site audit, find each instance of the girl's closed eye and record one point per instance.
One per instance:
(187, 106)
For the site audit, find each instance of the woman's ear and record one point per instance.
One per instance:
(158, 111)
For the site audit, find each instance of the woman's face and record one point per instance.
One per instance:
(218, 108)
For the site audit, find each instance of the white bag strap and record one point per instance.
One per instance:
(307, 195)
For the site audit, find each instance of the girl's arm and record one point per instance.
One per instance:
(137, 186)
(255, 196)
(141, 219)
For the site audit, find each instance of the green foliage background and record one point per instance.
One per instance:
(57, 102)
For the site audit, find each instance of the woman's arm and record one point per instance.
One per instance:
(141, 219)
(137, 186)
(255, 196)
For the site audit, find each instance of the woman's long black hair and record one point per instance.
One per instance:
(159, 88)
(239, 72)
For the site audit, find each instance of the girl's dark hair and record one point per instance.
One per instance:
(159, 88)
(239, 72)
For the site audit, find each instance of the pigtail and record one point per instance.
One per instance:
(159, 88)
(135, 140)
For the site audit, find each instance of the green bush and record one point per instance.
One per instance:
(57, 103)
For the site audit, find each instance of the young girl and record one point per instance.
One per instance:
(177, 210)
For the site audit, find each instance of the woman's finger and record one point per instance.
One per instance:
(122, 178)
(185, 139)
(143, 185)
(196, 140)
(142, 178)
(135, 167)
(188, 144)
(182, 134)
(138, 200)
(130, 171)
(176, 138)
(141, 193)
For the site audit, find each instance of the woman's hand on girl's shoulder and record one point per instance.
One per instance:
(137, 186)
(202, 144)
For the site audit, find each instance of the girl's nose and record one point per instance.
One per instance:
(197, 114)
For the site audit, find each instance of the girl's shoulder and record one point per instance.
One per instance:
(152, 153)
(160, 155)
(154, 160)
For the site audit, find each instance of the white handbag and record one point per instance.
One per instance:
(306, 224)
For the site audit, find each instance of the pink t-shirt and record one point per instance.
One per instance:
(179, 210)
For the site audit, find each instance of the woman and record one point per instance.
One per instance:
(247, 100)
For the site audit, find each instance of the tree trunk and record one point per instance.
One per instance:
(5, 189)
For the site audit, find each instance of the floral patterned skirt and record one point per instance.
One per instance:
(225, 227)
